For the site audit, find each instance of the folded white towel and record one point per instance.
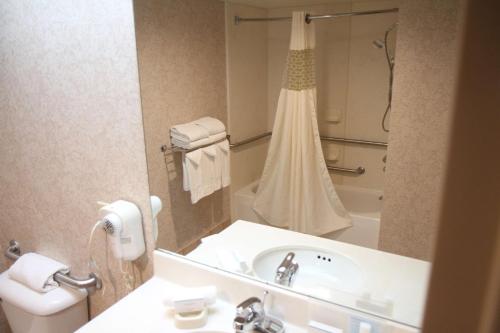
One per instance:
(189, 132)
(36, 272)
(226, 258)
(231, 261)
(198, 143)
(212, 125)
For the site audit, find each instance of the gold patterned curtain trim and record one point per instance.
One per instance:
(299, 73)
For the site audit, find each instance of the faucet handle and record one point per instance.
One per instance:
(286, 263)
(248, 313)
(250, 303)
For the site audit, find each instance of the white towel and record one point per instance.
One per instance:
(226, 258)
(197, 143)
(185, 178)
(188, 132)
(212, 179)
(212, 125)
(36, 272)
(200, 169)
(231, 261)
(222, 163)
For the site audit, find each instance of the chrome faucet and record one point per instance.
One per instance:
(251, 316)
(286, 271)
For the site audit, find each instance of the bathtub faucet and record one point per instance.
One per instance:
(286, 271)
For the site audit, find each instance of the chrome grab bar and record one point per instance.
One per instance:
(91, 283)
(354, 141)
(247, 141)
(323, 138)
(358, 171)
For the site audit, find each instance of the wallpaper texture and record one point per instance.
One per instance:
(71, 131)
(181, 51)
(424, 83)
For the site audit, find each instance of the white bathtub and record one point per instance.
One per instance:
(363, 205)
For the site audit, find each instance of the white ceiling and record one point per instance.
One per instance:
(284, 3)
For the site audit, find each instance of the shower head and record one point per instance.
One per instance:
(378, 43)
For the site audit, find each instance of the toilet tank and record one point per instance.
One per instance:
(60, 310)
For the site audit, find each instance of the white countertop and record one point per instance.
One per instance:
(388, 278)
(143, 310)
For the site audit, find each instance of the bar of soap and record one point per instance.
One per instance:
(191, 320)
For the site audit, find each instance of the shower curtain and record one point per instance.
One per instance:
(296, 190)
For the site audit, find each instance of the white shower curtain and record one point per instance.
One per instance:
(296, 190)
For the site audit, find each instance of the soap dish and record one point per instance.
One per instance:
(191, 320)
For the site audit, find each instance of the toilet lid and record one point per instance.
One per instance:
(39, 304)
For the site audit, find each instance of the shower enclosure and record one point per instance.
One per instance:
(352, 89)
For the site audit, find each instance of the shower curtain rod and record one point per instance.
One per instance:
(309, 18)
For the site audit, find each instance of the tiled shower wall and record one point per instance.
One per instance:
(181, 51)
(71, 131)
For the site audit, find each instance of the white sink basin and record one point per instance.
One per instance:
(320, 273)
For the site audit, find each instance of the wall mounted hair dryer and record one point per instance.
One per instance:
(123, 223)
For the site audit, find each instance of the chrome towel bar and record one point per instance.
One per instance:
(91, 283)
(173, 149)
(167, 149)
(323, 138)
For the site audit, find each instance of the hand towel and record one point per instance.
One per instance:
(200, 166)
(198, 143)
(222, 164)
(212, 177)
(185, 178)
(226, 258)
(212, 125)
(37, 272)
(231, 261)
(188, 132)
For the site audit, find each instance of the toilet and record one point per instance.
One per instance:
(60, 310)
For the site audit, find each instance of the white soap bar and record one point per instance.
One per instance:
(188, 300)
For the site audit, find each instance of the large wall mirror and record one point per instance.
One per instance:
(289, 216)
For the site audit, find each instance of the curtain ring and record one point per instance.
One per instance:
(308, 19)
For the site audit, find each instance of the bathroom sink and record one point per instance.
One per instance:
(320, 272)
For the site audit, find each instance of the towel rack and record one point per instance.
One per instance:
(357, 171)
(90, 283)
(172, 149)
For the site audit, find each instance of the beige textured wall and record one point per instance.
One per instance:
(71, 130)
(181, 51)
(247, 93)
(424, 82)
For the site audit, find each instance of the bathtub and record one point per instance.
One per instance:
(364, 206)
